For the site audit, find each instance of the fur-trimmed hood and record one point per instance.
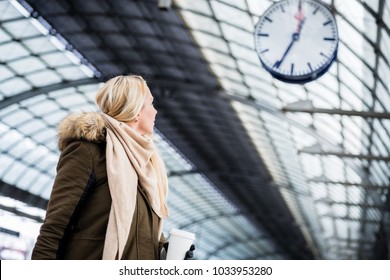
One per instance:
(81, 126)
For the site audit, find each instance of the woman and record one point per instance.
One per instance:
(109, 196)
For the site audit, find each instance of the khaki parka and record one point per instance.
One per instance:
(79, 205)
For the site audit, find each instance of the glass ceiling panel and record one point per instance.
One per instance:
(205, 23)
(30, 53)
(348, 85)
(357, 15)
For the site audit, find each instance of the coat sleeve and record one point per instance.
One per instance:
(74, 173)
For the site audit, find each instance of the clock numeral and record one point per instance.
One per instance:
(329, 39)
(263, 34)
(326, 23)
(292, 68)
(267, 18)
(322, 54)
(264, 51)
(316, 10)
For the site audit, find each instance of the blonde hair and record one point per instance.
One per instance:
(122, 97)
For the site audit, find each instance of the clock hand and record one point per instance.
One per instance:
(299, 27)
(300, 17)
(294, 38)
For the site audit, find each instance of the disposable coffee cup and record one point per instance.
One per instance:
(180, 242)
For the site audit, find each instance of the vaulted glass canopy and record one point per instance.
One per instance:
(314, 157)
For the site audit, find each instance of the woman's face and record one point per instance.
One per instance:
(147, 116)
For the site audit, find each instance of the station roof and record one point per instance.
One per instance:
(258, 169)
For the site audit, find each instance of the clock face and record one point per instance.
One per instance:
(297, 40)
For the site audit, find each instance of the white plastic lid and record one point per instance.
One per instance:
(183, 233)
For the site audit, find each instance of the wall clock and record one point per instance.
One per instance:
(297, 40)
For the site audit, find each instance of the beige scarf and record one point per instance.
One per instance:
(132, 160)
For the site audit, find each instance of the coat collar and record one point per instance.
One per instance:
(81, 126)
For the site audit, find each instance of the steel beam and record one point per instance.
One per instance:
(43, 90)
(307, 107)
